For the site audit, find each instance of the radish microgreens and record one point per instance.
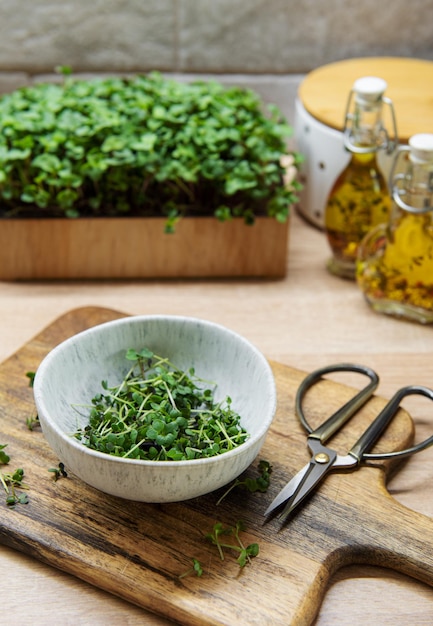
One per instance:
(12, 482)
(244, 552)
(32, 422)
(195, 569)
(143, 145)
(252, 484)
(31, 377)
(160, 413)
(58, 472)
(4, 457)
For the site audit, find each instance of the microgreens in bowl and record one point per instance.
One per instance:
(160, 412)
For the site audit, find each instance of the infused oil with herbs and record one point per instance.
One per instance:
(359, 198)
(395, 260)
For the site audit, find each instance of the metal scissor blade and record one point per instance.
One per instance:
(287, 491)
(315, 472)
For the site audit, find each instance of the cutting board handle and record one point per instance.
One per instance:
(404, 538)
(382, 531)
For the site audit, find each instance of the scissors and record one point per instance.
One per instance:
(324, 459)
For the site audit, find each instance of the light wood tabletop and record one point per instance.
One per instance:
(307, 320)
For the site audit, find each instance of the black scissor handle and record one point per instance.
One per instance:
(342, 415)
(365, 442)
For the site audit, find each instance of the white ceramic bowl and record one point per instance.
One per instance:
(72, 373)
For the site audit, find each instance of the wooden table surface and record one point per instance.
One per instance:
(307, 320)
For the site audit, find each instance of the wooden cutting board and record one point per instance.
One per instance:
(138, 551)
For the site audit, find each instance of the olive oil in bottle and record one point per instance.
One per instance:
(395, 261)
(359, 198)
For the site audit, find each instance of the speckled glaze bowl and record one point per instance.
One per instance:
(71, 374)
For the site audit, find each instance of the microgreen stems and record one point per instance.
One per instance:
(245, 552)
(135, 447)
(160, 412)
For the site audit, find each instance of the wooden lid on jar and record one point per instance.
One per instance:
(325, 91)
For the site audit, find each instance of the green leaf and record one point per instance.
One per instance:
(145, 353)
(4, 458)
(31, 377)
(47, 162)
(253, 549)
(72, 213)
(132, 355)
(66, 199)
(146, 142)
(15, 155)
(223, 213)
(66, 70)
(114, 142)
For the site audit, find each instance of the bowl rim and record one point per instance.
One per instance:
(86, 451)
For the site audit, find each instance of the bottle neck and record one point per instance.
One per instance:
(413, 190)
(364, 129)
(367, 128)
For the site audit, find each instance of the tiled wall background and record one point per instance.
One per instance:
(247, 36)
(266, 44)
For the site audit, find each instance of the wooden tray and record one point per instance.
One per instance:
(138, 551)
(134, 247)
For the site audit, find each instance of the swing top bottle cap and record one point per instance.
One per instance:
(369, 88)
(421, 147)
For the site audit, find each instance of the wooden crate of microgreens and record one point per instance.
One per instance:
(71, 150)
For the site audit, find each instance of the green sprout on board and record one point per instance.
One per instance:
(12, 482)
(244, 552)
(252, 484)
(58, 472)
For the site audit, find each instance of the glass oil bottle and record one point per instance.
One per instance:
(395, 261)
(359, 198)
